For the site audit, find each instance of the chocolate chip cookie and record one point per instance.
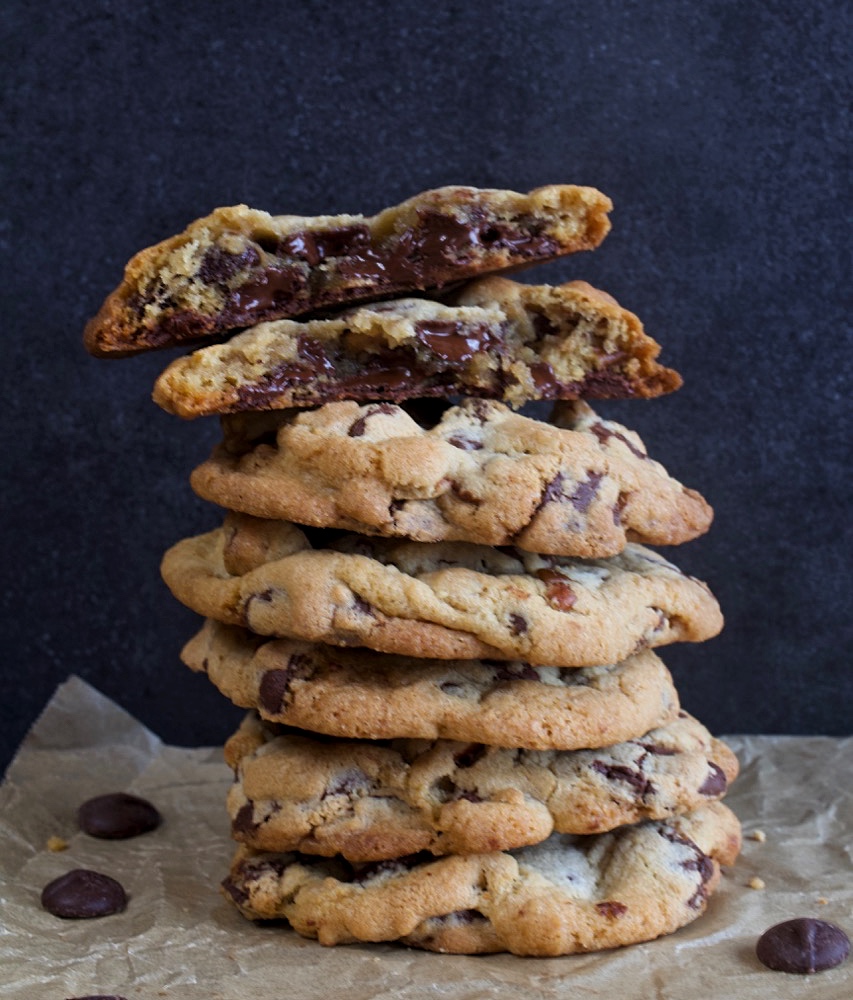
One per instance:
(239, 266)
(372, 800)
(480, 473)
(360, 694)
(520, 343)
(448, 599)
(568, 894)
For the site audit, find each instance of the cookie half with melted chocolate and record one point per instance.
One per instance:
(499, 340)
(240, 266)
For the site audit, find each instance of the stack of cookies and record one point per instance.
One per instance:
(442, 614)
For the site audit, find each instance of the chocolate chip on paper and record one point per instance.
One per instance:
(803, 945)
(117, 816)
(81, 894)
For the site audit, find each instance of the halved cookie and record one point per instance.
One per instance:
(517, 343)
(239, 266)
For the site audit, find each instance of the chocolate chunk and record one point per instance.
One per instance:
(81, 894)
(244, 821)
(517, 624)
(803, 945)
(316, 245)
(99, 996)
(715, 783)
(605, 433)
(466, 444)
(273, 287)
(275, 684)
(117, 816)
(619, 772)
(358, 426)
(514, 671)
(611, 908)
(470, 755)
(313, 352)
(455, 341)
(585, 493)
(218, 265)
(558, 593)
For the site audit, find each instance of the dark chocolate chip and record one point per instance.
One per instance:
(219, 265)
(456, 341)
(619, 772)
(558, 593)
(586, 491)
(803, 945)
(466, 444)
(81, 894)
(611, 908)
(99, 996)
(605, 433)
(470, 755)
(275, 684)
(514, 671)
(117, 816)
(244, 821)
(517, 624)
(715, 783)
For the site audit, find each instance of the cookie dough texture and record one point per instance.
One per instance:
(452, 600)
(240, 266)
(513, 342)
(481, 474)
(369, 801)
(365, 695)
(568, 894)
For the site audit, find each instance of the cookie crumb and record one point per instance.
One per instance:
(758, 835)
(56, 843)
(822, 901)
(756, 883)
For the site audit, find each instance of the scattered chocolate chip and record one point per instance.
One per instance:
(558, 593)
(517, 624)
(585, 492)
(218, 265)
(99, 996)
(803, 945)
(117, 816)
(513, 671)
(619, 772)
(715, 783)
(275, 684)
(81, 894)
(605, 433)
(470, 755)
(465, 443)
(244, 821)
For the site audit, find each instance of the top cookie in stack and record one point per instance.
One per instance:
(493, 576)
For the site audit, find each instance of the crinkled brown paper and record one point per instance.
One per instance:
(180, 938)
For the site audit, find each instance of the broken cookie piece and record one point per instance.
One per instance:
(239, 266)
(501, 340)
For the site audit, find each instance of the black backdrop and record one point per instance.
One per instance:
(718, 130)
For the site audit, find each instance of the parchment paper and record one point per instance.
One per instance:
(180, 938)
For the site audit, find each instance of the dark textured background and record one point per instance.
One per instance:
(717, 128)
